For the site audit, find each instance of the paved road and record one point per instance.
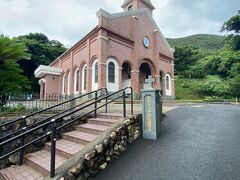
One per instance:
(197, 142)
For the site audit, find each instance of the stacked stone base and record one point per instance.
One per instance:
(100, 154)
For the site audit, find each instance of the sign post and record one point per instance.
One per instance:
(152, 113)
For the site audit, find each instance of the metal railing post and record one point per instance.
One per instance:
(95, 105)
(22, 141)
(106, 94)
(124, 104)
(53, 148)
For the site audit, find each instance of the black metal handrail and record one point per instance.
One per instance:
(23, 118)
(43, 110)
(44, 120)
(54, 130)
(48, 122)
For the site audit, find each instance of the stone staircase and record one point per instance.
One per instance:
(37, 165)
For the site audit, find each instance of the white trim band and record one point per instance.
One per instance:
(102, 12)
(102, 37)
(42, 71)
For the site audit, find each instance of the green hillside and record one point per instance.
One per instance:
(204, 42)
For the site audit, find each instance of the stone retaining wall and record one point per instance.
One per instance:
(98, 154)
(6, 130)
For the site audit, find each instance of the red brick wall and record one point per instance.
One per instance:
(124, 41)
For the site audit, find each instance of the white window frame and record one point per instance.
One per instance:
(94, 84)
(112, 87)
(83, 78)
(114, 78)
(168, 91)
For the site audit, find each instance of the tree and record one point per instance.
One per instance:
(235, 87)
(225, 63)
(233, 25)
(43, 51)
(235, 69)
(230, 62)
(11, 77)
(41, 38)
(185, 59)
(210, 64)
(196, 71)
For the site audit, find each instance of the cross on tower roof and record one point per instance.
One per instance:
(150, 80)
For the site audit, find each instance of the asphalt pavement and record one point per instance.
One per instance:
(197, 142)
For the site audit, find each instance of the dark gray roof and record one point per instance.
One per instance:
(147, 2)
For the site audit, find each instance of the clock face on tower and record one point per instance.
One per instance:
(146, 42)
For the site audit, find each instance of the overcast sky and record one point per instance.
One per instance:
(69, 20)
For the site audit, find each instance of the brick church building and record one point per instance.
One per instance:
(123, 50)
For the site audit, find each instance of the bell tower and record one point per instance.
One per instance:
(132, 5)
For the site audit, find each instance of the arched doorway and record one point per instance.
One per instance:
(145, 71)
(126, 75)
(161, 81)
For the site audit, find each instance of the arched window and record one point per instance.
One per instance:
(167, 83)
(63, 84)
(96, 73)
(112, 75)
(85, 79)
(111, 72)
(68, 83)
(161, 80)
(76, 81)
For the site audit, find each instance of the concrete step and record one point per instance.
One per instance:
(92, 128)
(37, 165)
(102, 121)
(79, 137)
(40, 161)
(109, 116)
(20, 173)
(65, 148)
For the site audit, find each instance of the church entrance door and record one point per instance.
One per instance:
(126, 76)
(145, 72)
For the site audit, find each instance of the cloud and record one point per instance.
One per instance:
(178, 18)
(69, 20)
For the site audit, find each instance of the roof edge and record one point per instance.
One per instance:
(148, 3)
(80, 41)
(148, 14)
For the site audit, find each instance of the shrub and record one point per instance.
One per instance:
(18, 108)
(211, 86)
